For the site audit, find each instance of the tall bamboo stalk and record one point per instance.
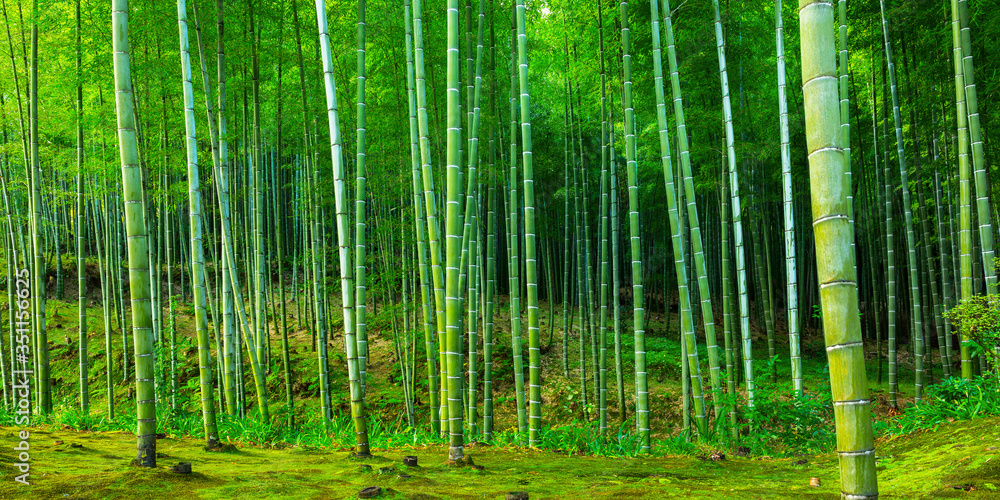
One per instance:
(615, 277)
(40, 266)
(845, 108)
(605, 222)
(420, 226)
(488, 314)
(727, 316)
(357, 401)
(734, 187)
(792, 289)
(834, 258)
(965, 186)
(430, 200)
(81, 226)
(976, 145)
(680, 257)
(473, 325)
(256, 187)
(360, 207)
(890, 250)
(228, 247)
(531, 272)
(197, 249)
(137, 239)
(638, 311)
(514, 274)
(917, 329)
(453, 225)
(230, 344)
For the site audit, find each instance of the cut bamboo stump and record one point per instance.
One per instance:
(410, 461)
(370, 492)
(182, 468)
(517, 495)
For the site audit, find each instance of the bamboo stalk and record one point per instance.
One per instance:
(834, 258)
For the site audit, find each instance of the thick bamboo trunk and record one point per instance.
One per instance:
(137, 240)
(834, 258)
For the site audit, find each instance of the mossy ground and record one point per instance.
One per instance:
(952, 461)
(957, 460)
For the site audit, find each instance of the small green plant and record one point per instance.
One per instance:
(817, 312)
(781, 424)
(978, 318)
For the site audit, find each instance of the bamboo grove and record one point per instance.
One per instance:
(499, 211)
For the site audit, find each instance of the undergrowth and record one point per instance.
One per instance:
(952, 399)
(778, 425)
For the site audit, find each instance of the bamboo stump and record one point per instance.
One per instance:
(410, 461)
(370, 492)
(182, 468)
(517, 495)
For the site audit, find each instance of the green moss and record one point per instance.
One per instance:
(943, 463)
(954, 460)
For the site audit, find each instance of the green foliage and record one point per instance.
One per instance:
(978, 317)
(664, 355)
(780, 424)
(951, 400)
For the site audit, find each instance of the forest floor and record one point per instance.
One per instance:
(958, 460)
(562, 396)
(954, 460)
